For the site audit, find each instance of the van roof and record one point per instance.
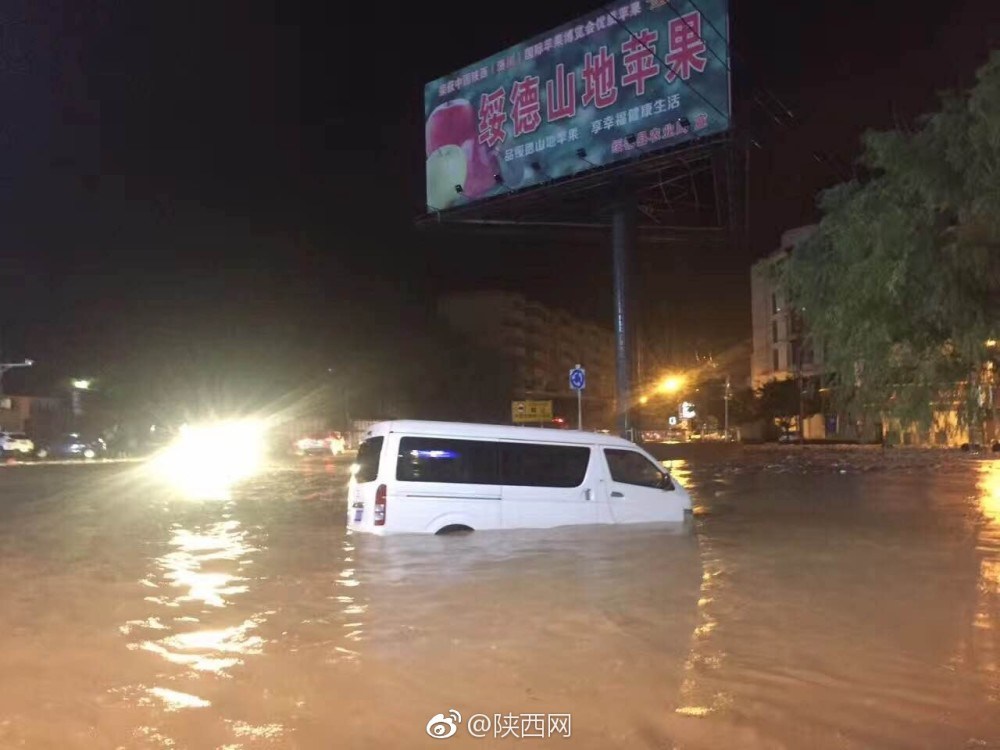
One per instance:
(496, 431)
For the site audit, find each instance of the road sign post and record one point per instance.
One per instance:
(578, 381)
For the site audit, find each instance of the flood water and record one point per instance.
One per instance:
(809, 608)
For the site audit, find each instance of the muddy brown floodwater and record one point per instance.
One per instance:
(816, 604)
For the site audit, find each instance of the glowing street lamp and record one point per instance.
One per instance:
(79, 386)
(671, 384)
(644, 400)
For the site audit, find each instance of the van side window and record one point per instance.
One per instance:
(630, 467)
(426, 459)
(528, 465)
(367, 461)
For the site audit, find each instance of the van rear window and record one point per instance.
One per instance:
(424, 459)
(367, 461)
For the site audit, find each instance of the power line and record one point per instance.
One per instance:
(652, 51)
(735, 55)
(730, 53)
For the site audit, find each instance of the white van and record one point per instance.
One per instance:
(432, 477)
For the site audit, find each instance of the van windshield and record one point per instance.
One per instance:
(368, 455)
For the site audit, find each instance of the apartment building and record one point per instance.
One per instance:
(541, 343)
(780, 347)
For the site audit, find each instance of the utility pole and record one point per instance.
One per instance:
(802, 406)
(726, 397)
(623, 238)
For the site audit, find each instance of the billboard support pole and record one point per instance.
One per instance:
(623, 234)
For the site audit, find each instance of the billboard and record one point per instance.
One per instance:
(619, 83)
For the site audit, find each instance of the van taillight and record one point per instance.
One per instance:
(380, 505)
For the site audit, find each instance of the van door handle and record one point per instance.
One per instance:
(588, 495)
(617, 494)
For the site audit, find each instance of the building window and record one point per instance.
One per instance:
(795, 323)
(774, 332)
(774, 303)
(776, 361)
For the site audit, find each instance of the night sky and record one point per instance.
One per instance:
(250, 172)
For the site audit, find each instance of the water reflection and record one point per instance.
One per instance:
(187, 566)
(197, 583)
(985, 631)
(704, 657)
(174, 700)
(200, 649)
(989, 486)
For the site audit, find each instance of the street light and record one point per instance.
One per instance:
(644, 400)
(5, 366)
(671, 384)
(76, 401)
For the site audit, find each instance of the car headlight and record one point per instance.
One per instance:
(206, 460)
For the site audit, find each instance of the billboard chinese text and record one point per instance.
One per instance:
(619, 83)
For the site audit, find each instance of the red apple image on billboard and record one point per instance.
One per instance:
(450, 124)
(455, 157)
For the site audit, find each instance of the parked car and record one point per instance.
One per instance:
(73, 445)
(16, 443)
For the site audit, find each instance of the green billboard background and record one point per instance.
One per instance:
(572, 100)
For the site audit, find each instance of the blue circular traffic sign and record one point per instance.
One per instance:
(577, 378)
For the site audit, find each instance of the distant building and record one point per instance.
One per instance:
(39, 416)
(780, 349)
(540, 343)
